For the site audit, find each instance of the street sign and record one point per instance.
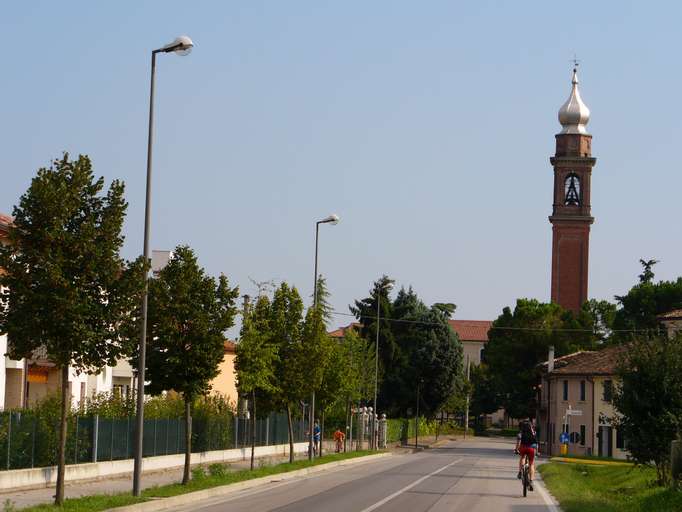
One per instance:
(563, 438)
(574, 412)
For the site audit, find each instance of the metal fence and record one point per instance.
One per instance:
(28, 440)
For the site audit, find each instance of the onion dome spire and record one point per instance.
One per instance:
(574, 114)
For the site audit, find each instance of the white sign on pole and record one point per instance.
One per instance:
(574, 412)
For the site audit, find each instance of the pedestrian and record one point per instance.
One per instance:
(339, 437)
(316, 437)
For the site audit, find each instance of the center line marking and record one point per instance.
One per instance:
(407, 488)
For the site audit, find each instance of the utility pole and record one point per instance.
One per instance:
(466, 412)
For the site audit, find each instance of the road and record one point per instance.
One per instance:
(473, 476)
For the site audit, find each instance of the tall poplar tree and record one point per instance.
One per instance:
(188, 314)
(66, 291)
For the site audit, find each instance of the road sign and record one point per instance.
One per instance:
(574, 412)
(563, 438)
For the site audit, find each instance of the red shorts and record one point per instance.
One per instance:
(527, 450)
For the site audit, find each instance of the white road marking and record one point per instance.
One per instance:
(540, 486)
(408, 487)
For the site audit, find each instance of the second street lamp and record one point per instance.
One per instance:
(181, 46)
(333, 219)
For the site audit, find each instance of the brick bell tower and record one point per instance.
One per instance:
(571, 217)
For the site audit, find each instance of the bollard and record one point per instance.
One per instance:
(382, 432)
(676, 461)
(95, 432)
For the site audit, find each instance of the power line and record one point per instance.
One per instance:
(499, 328)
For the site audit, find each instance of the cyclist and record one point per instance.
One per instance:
(527, 444)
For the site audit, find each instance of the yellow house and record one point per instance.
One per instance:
(576, 401)
(226, 381)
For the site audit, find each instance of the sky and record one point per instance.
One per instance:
(426, 126)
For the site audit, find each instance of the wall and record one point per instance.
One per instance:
(558, 407)
(604, 411)
(17, 479)
(226, 381)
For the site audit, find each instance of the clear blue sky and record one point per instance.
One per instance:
(427, 126)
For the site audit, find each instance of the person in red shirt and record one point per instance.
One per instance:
(339, 437)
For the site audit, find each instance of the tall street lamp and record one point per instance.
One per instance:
(380, 289)
(181, 46)
(333, 219)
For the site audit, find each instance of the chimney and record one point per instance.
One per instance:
(247, 304)
(550, 360)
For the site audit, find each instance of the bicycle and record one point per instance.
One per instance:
(525, 474)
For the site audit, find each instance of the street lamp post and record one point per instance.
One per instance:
(386, 286)
(181, 46)
(333, 219)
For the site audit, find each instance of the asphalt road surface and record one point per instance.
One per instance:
(473, 476)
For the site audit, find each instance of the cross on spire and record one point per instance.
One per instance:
(575, 62)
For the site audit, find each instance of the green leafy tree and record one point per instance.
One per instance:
(286, 329)
(485, 396)
(66, 290)
(312, 355)
(416, 343)
(649, 401)
(520, 340)
(647, 275)
(639, 308)
(256, 359)
(188, 315)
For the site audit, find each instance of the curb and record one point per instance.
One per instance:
(155, 504)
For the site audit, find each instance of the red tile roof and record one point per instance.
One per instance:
(676, 314)
(341, 331)
(5, 221)
(230, 346)
(471, 330)
(599, 362)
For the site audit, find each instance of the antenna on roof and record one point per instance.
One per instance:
(263, 287)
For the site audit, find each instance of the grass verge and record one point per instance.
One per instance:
(218, 475)
(589, 488)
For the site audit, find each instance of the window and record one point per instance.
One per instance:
(583, 431)
(572, 190)
(582, 390)
(565, 390)
(482, 355)
(608, 391)
(620, 440)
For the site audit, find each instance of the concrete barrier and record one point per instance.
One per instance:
(24, 479)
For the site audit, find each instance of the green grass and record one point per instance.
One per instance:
(593, 457)
(200, 481)
(589, 488)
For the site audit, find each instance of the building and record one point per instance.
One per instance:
(571, 210)
(473, 334)
(24, 382)
(672, 321)
(576, 398)
(226, 381)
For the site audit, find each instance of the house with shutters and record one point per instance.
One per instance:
(576, 399)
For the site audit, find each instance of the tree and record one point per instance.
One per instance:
(485, 397)
(256, 359)
(66, 290)
(639, 308)
(520, 340)
(416, 342)
(325, 307)
(286, 327)
(647, 275)
(648, 401)
(188, 315)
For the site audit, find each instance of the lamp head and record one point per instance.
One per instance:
(181, 46)
(333, 219)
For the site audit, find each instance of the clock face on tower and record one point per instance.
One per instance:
(572, 190)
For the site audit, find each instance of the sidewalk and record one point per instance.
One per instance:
(123, 484)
